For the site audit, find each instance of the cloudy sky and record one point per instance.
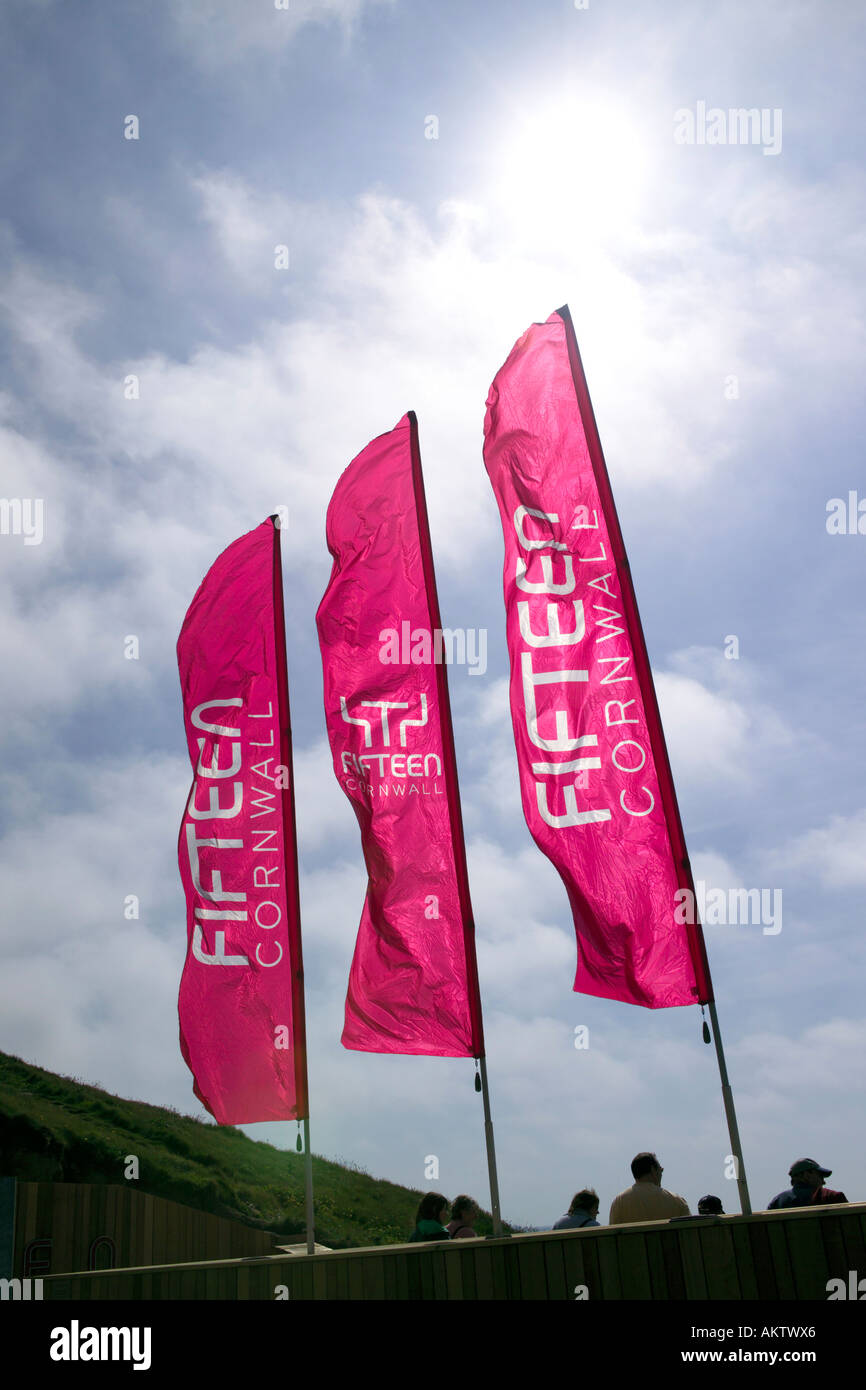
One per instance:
(442, 176)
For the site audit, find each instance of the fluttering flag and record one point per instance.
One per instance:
(241, 1003)
(596, 785)
(413, 986)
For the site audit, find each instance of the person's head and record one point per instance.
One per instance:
(807, 1173)
(710, 1206)
(432, 1207)
(464, 1209)
(584, 1200)
(646, 1167)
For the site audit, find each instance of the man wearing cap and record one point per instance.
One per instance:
(807, 1187)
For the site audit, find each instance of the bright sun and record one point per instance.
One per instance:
(579, 162)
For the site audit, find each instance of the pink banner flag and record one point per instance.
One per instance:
(413, 985)
(595, 779)
(241, 1003)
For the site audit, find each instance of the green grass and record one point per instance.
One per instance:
(62, 1129)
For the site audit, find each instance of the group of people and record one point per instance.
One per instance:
(645, 1200)
(432, 1216)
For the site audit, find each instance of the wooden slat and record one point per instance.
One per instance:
(554, 1270)
(634, 1272)
(762, 1259)
(854, 1236)
(835, 1257)
(482, 1258)
(781, 1257)
(746, 1276)
(81, 1217)
(64, 1255)
(425, 1267)
(807, 1257)
(25, 1223)
(129, 1234)
(658, 1274)
(115, 1214)
(146, 1254)
(467, 1271)
(453, 1275)
(533, 1271)
(341, 1279)
(587, 1249)
(160, 1231)
(719, 1261)
(690, 1253)
(572, 1250)
(414, 1281)
(262, 1283)
(389, 1276)
(320, 1280)
(303, 1281)
(511, 1269)
(440, 1283)
(608, 1267)
(373, 1276)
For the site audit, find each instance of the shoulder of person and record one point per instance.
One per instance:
(827, 1194)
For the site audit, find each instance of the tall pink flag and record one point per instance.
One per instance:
(596, 785)
(413, 986)
(241, 1003)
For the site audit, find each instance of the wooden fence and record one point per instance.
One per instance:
(767, 1256)
(62, 1227)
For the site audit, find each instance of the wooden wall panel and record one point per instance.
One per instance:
(766, 1257)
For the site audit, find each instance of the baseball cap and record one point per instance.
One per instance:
(803, 1163)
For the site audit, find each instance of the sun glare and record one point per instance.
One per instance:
(576, 165)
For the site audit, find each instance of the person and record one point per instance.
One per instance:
(710, 1206)
(582, 1212)
(646, 1200)
(807, 1187)
(431, 1217)
(464, 1212)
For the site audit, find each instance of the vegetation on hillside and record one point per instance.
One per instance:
(62, 1129)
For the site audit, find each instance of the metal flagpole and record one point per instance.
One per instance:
(293, 895)
(491, 1151)
(730, 1112)
(308, 1184)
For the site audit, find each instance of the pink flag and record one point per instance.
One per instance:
(241, 1003)
(413, 986)
(595, 780)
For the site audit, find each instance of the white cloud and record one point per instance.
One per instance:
(219, 33)
(720, 731)
(834, 853)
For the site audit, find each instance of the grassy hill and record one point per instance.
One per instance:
(61, 1129)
